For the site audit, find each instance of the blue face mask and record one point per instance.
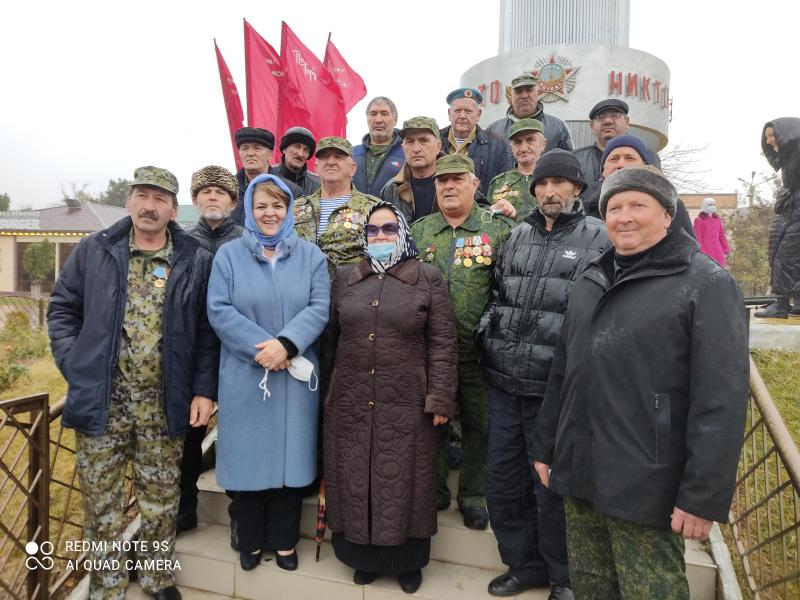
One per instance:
(381, 251)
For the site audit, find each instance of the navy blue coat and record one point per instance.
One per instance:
(390, 165)
(490, 153)
(85, 316)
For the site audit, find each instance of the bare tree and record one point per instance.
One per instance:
(679, 164)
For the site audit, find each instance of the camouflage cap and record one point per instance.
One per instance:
(157, 177)
(523, 80)
(525, 125)
(336, 143)
(216, 176)
(426, 123)
(454, 163)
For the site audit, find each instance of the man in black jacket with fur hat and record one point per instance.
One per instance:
(644, 413)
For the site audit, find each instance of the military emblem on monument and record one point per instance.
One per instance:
(556, 77)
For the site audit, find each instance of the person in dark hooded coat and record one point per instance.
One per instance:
(779, 142)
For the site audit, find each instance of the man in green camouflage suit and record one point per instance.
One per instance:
(462, 241)
(334, 216)
(514, 186)
(129, 332)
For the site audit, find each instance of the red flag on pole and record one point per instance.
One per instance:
(316, 91)
(350, 83)
(263, 70)
(233, 104)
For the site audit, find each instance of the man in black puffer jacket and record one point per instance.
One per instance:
(535, 267)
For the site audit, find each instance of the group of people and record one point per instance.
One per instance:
(555, 303)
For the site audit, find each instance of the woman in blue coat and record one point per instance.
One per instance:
(268, 299)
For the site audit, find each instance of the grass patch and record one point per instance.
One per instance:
(781, 372)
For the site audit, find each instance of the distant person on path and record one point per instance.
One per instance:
(780, 142)
(710, 232)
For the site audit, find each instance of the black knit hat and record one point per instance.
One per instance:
(646, 179)
(255, 135)
(558, 163)
(298, 135)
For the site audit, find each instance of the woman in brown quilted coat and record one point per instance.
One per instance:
(391, 343)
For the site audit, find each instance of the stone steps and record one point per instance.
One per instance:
(463, 561)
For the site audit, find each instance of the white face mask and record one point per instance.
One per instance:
(300, 368)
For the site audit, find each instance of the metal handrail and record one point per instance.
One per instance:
(765, 513)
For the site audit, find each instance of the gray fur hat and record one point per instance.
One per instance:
(646, 179)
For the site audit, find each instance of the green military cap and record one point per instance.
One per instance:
(157, 177)
(454, 163)
(525, 125)
(426, 123)
(336, 143)
(524, 79)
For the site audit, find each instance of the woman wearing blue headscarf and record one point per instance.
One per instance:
(268, 299)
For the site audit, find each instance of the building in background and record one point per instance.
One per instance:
(579, 49)
(64, 225)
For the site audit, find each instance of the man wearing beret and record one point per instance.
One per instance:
(255, 151)
(297, 146)
(534, 270)
(334, 216)
(128, 330)
(513, 188)
(378, 156)
(644, 413)
(462, 241)
(214, 193)
(490, 153)
(523, 96)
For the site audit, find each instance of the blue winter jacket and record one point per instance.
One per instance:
(390, 165)
(85, 316)
(267, 441)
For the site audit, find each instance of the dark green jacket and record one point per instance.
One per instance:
(341, 244)
(467, 276)
(516, 188)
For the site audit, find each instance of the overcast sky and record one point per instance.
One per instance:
(91, 90)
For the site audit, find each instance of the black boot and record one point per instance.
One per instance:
(777, 310)
(795, 312)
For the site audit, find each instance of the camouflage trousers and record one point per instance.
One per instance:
(137, 431)
(473, 415)
(611, 559)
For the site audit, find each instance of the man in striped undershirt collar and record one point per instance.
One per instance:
(333, 217)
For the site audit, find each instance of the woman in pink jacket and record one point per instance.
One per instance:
(710, 232)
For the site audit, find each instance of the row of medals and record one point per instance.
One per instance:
(472, 249)
(346, 221)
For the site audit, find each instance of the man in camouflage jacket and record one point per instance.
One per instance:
(340, 236)
(128, 329)
(462, 241)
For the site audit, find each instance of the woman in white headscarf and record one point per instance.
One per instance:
(711, 233)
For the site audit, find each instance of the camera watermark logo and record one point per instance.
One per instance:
(33, 562)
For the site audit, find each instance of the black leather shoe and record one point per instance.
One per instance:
(364, 577)
(249, 561)
(442, 503)
(287, 563)
(186, 522)
(509, 585)
(410, 582)
(170, 593)
(234, 535)
(560, 592)
(475, 517)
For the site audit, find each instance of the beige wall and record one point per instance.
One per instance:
(8, 258)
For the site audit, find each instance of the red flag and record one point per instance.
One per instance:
(263, 70)
(233, 104)
(310, 88)
(350, 83)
